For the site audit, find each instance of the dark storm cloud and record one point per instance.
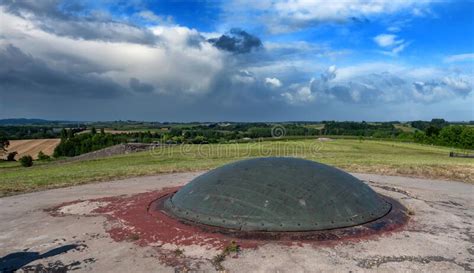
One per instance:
(22, 73)
(246, 98)
(237, 41)
(75, 20)
(245, 93)
(75, 64)
(140, 87)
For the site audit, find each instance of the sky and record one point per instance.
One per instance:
(237, 60)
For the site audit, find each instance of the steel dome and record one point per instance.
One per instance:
(277, 194)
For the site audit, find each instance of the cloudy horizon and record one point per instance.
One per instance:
(237, 60)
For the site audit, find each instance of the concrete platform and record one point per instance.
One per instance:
(438, 238)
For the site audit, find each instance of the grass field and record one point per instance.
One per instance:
(380, 157)
(315, 126)
(406, 128)
(33, 146)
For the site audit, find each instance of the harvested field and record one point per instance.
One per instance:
(33, 146)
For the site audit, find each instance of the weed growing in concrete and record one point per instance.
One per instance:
(178, 252)
(219, 258)
(134, 237)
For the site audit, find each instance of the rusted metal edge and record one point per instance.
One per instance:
(395, 218)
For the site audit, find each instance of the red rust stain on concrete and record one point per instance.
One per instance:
(139, 218)
(133, 219)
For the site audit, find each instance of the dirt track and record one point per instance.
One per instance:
(438, 238)
(33, 146)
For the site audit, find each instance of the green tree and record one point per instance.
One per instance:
(199, 140)
(419, 137)
(26, 161)
(70, 133)
(42, 156)
(432, 131)
(450, 136)
(11, 156)
(438, 122)
(84, 143)
(467, 137)
(3, 143)
(63, 133)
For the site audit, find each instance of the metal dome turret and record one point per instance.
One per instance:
(277, 194)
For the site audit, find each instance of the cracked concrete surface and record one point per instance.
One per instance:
(438, 238)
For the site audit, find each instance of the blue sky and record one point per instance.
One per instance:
(237, 60)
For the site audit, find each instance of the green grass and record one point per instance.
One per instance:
(315, 126)
(406, 128)
(370, 156)
(8, 164)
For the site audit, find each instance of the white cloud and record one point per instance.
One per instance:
(347, 73)
(332, 71)
(381, 83)
(394, 29)
(387, 40)
(273, 82)
(181, 62)
(422, 12)
(243, 76)
(302, 94)
(391, 44)
(433, 91)
(458, 83)
(399, 48)
(293, 15)
(153, 18)
(211, 35)
(468, 57)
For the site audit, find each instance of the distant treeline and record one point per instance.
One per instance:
(436, 132)
(215, 133)
(13, 132)
(364, 129)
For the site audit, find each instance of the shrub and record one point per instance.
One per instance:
(42, 156)
(3, 143)
(11, 156)
(26, 161)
